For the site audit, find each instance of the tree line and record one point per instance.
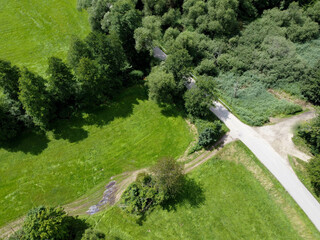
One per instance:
(204, 37)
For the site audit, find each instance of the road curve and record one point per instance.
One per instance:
(273, 162)
(277, 165)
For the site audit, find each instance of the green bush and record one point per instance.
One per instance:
(210, 133)
(46, 223)
(142, 195)
(310, 132)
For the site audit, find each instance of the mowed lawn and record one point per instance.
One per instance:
(82, 153)
(227, 202)
(33, 30)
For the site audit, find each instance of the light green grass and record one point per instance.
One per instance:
(33, 30)
(84, 152)
(234, 205)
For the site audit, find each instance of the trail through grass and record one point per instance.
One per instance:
(226, 201)
(31, 31)
(84, 152)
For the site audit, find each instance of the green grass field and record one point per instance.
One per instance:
(33, 30)
(227, 202)
(82, 154)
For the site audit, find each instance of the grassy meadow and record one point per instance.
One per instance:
(82, 153)
(31, 30)
(231, 197)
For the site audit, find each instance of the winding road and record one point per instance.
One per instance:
(276, 164)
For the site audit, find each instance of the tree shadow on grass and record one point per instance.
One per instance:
(173, 110)
(35, 141)
(192, 193)
(30, 141)
(122, 107)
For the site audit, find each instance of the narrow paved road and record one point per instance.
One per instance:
(272, 160)
(276, 164)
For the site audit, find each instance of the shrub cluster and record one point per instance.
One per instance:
(53, 223)
(150, 190)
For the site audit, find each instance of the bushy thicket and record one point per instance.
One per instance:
(209, 132)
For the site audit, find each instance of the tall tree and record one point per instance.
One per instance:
(200, 98)
(78, 49)
(122, 20)
(161, 85)
(61, 82)
(9, 79)
(147, 36)
(34, 97)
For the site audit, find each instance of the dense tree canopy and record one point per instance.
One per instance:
(34, 97)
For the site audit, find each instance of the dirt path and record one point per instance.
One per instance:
(279, 135)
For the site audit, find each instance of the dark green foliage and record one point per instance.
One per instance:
(310, 132)
(172, 18)
(207, 67)
(97, 11)
(169, 177)
(83, 4)
(78, 49)
(91, 234)
(311, 86)
(122, 20)
(148, 35)
(199, 98)
(159, 7)
(51, 223)
(216, 17)
(142, 195)
(210, 135)
(313, 12)
(313, 168)
(61, 84)
(9, 79)
(179, 64)
(9, 124)
(46, 223)
(90, 81)
(136, 76)
(161, 85)
(34, 97)
(107, 51)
